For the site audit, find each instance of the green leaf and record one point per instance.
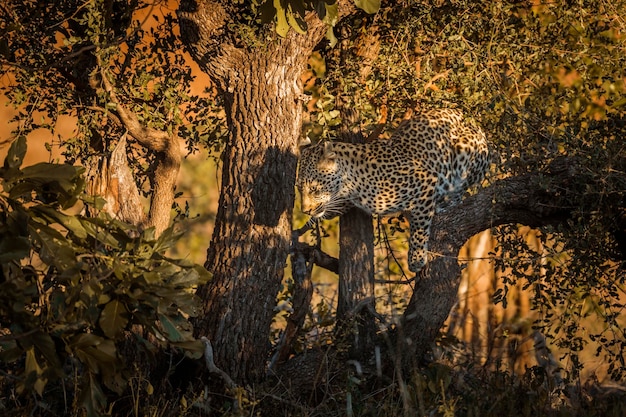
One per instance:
(189, 278)
(332, 13)
(175, 329)
(44, 343)
(98, 229)
(282, 26)
(10, 351)
(54, 249)
(71, 223)
(296, 18)
(97, 353)
(152, 277)
(369, 6)
(92, 397)
(84, 340)
(13, 249)
(34, 372)
(96, 202)
(58, 183)
(48, 172)
(166, 240)
(330, 35)
(113, 319)
(297, 24)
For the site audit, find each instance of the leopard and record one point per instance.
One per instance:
(426, 166)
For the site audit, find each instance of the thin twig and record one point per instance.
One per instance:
(12, 337)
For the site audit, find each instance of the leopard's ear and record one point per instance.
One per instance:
(329, 152)
(304, 142)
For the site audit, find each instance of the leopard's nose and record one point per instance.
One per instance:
(306, 205)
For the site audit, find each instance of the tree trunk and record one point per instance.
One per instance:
(356, 305)
(261, 91)
(252, 232)
(112, 179)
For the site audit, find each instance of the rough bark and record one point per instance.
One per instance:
(356, 302)
(534, 199)
(247, 255)
(248, 250)
(356, 262)
(113, 180)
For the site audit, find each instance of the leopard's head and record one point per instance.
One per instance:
(319, 180)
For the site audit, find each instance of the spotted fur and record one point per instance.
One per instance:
(428, 163)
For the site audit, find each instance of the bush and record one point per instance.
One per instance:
(72, 287)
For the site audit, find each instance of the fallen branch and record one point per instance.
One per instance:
(210, 364)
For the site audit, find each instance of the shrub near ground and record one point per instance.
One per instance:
(72, 288)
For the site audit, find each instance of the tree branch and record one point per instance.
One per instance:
(152, 139)
(210, 364)
(160, 142)
(317, 256)
(533, 199)
(204, 31)
(216, 47)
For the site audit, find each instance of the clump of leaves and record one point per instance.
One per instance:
(71, 287)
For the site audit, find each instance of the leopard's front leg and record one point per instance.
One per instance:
(420, 218)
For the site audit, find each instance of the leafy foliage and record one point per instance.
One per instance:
(54, 49)
(288, 14)
(72, 287)
(545, 84)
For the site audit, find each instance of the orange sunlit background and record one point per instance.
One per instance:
(45, 146)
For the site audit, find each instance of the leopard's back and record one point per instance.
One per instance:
(447, 145)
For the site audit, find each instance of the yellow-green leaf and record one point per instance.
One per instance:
(175, 328)
(34, 370)
(332, 13)
(113, 319)
(16, 153)
(369, 6)
(92, 397)
(282, 26)
(296, 21)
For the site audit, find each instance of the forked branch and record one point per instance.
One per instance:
(152, 139)
(165, 145)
